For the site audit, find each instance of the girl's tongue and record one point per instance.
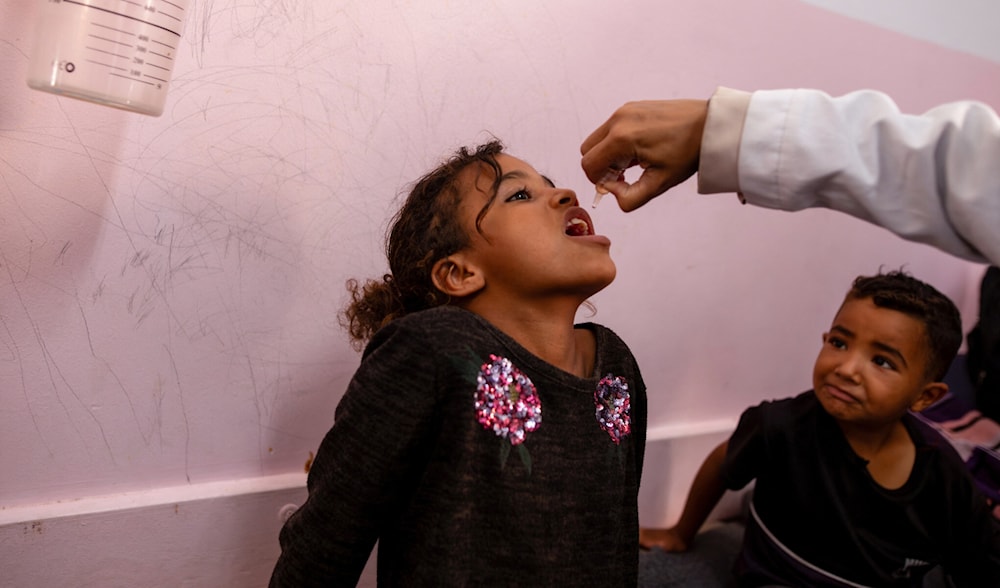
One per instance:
(577, 227)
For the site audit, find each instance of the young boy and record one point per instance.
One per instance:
(851, 489)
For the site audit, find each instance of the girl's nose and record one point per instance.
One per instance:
(564, 197)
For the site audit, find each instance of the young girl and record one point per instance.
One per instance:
(484, 440)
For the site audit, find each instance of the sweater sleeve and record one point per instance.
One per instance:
(360, 475)
(932, 178)
(640, 420)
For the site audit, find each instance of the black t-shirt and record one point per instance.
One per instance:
(420, 458)
(820, 519)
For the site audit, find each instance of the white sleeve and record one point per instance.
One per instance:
(932, 178)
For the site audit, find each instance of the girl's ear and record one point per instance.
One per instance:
(929, 395)
(456, 276)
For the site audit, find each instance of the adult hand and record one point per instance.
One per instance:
(663, 137)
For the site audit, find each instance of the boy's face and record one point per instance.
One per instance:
(872, 365)
(535, 238)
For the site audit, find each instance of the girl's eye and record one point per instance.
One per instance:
(882, 362)
(521, 194)
(837, 343)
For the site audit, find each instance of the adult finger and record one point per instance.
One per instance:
(651, 183)
(602, 153)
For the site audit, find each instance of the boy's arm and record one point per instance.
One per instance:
(706, 490)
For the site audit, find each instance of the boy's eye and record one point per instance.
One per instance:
(521, 194)
(836, 342)
(883, 362)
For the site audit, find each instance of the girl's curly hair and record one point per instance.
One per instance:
(425, 229)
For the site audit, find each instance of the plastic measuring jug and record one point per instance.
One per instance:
(119, 53)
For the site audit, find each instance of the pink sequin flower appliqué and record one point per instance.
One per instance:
(506, 401)
(612, 402)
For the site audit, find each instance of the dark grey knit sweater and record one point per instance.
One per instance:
(421, 458)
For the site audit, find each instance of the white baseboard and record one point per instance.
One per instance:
(213, 535)
(685, 430)
(149, 498)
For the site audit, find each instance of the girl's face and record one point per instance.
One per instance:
(535, 239)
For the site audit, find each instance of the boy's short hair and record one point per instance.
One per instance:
(897, 290)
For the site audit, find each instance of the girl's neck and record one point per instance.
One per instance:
(547, 333)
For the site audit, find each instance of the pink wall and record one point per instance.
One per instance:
(169, 286)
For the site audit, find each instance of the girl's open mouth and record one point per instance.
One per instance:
(578, 223)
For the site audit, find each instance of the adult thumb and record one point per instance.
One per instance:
(651, 183)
